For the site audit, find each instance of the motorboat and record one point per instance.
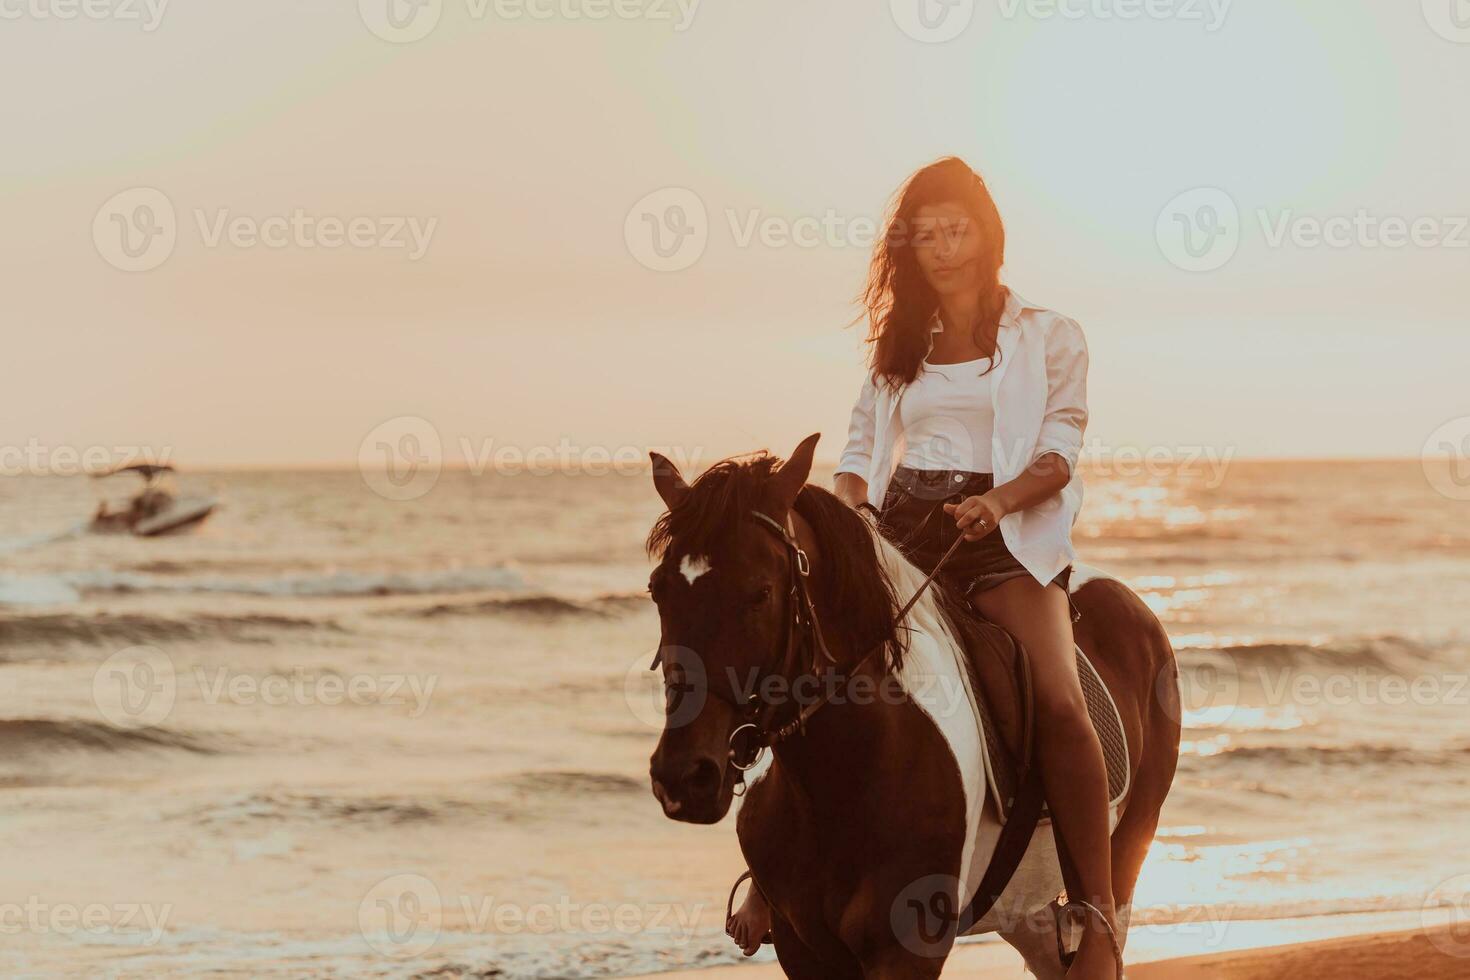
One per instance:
(156, 509)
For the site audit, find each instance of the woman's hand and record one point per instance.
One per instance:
(977, 516)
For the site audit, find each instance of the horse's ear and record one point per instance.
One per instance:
(668, 481)
(787, 481)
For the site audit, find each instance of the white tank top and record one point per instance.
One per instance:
(948, 417)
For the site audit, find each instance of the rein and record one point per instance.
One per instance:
(804, 624)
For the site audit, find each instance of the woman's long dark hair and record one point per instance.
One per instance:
(899, 302)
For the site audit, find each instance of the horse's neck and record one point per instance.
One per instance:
(845, 746)
(861, 732)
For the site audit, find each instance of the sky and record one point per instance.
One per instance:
(257, 234)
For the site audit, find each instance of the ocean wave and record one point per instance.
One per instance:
(511, 798)
(344, 583)
(32, 736)
(1390, 654)
(134, 628)
(9, 546)
(539, 605)
(575, 783)
(1324, 754)
(348, 809)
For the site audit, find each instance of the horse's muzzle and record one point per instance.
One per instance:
(694, 790)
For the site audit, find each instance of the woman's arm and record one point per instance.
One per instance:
(1042, 479)
(851, 481)
(850, 488)
(1058, 446)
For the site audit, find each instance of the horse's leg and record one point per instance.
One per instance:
(1034, 936)
(1135, 832)
(897, 963)
(800, 962)
(1131, 842)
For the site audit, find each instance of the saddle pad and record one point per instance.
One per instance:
(1000, 768)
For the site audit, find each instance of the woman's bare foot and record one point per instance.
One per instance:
(1095, 959)
(751, 923)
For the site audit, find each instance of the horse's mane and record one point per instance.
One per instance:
(849, 576)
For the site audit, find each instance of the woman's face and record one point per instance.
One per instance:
(947, 241)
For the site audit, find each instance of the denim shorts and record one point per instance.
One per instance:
(913, 518)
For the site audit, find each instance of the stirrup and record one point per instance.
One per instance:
(1086, 910)
(767, 939)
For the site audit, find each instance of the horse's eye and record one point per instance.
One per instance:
(760, 597)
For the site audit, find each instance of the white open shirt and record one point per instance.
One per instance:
(1039, 396)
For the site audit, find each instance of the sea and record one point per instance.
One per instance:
(333, 733)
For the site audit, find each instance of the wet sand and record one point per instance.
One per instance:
(1391, 956)
(1441, 955)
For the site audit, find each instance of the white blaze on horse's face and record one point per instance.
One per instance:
(693, 566)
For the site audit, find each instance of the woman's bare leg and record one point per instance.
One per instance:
(1072, 768)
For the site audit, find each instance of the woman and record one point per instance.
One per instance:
(979, 397)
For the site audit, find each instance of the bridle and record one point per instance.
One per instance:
(804, 630)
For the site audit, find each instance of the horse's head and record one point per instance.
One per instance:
(722, 588)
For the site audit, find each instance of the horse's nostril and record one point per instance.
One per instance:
(703, 777)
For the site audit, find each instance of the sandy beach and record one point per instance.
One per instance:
(1415, 954)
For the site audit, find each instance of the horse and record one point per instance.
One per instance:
(872, 820)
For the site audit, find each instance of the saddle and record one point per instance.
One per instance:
(999, 676)
(1002, 761)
